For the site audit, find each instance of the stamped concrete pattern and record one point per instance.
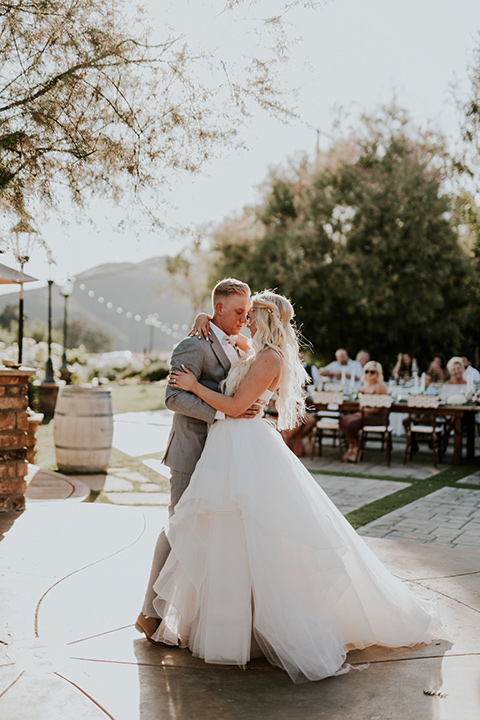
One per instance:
(450, 516)
(73, 574)
(68, 648)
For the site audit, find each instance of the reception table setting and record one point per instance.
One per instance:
(458, 404)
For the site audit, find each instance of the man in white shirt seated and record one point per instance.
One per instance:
(342, 367)
(312, 371)
(470, 372)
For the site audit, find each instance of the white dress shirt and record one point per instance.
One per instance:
(352, 367)
(315, 374)
(471, 372)
(234, 355)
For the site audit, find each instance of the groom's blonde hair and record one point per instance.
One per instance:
(227, 287)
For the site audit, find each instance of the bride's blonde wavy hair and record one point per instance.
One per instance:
(275, 330)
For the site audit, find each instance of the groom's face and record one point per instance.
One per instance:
(231, 313)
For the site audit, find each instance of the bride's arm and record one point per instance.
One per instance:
(201, 325)
(264, 372)
(242, 343)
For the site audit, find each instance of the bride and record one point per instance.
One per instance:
(261, 558)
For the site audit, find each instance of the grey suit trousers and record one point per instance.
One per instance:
(178, 484)
(209, 363)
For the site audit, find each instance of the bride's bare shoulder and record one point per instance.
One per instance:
(270, 356)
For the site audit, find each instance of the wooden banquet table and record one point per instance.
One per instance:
(457, 412)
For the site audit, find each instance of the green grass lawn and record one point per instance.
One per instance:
(137, 398)
(418, 488)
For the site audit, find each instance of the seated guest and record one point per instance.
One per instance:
(429, 389)
(300, 438)
(422, 418)
(437, 369)
(402, 370)
(470, 372)
(312, 371)
(362, 357)
(456, 369)
(372, 382)
(342, 366)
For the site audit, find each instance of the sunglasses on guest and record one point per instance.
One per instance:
(370, 372)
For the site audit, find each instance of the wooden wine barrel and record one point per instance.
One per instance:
(83, 429)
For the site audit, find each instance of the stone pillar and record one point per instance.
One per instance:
(13, 437)
(34, 420)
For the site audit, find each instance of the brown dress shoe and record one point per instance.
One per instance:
(148, 626)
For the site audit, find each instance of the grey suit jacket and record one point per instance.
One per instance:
(209, 363)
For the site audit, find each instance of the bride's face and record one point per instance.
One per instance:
(251, 322)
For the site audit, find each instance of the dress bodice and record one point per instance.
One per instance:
(266, 396)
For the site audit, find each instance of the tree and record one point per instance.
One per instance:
(94, 339)
(8, 316)
(468, 223)
(470, 108)
(365, 244)
(90, 104)
(188, 270)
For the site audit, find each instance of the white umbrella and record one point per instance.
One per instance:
(9, 275)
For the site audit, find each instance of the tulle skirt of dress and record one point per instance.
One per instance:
(260, 554)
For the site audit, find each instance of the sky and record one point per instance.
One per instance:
(351, 54)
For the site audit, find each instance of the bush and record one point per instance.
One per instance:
(32, 394)
(156, 372)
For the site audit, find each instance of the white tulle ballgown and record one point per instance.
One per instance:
(260, 554)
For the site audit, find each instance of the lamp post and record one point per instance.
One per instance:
(49, 376)
(152, 321)
(66, 290)
(25, 236)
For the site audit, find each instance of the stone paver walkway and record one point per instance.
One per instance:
(450, 516)
(350, 493)
(473, 479)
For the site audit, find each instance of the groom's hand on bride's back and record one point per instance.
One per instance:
(253, 410)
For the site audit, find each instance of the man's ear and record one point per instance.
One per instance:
(218, 308)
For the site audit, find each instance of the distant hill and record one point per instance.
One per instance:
(111, 296)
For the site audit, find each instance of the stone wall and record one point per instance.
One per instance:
(13, 437)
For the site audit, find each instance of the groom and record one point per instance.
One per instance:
(210, 360)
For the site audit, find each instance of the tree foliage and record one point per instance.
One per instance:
(80, 332)
(470, 107)
(365, 244)
(91, 105)
(189, 273)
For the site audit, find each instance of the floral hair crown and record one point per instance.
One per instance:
(263, 307)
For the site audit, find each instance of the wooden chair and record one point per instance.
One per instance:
(328, 421)
(383, 433)
(424, 424)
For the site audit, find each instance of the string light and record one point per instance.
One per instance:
(152, 319)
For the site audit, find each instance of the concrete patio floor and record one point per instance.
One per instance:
(72, 584)
(73, 575)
